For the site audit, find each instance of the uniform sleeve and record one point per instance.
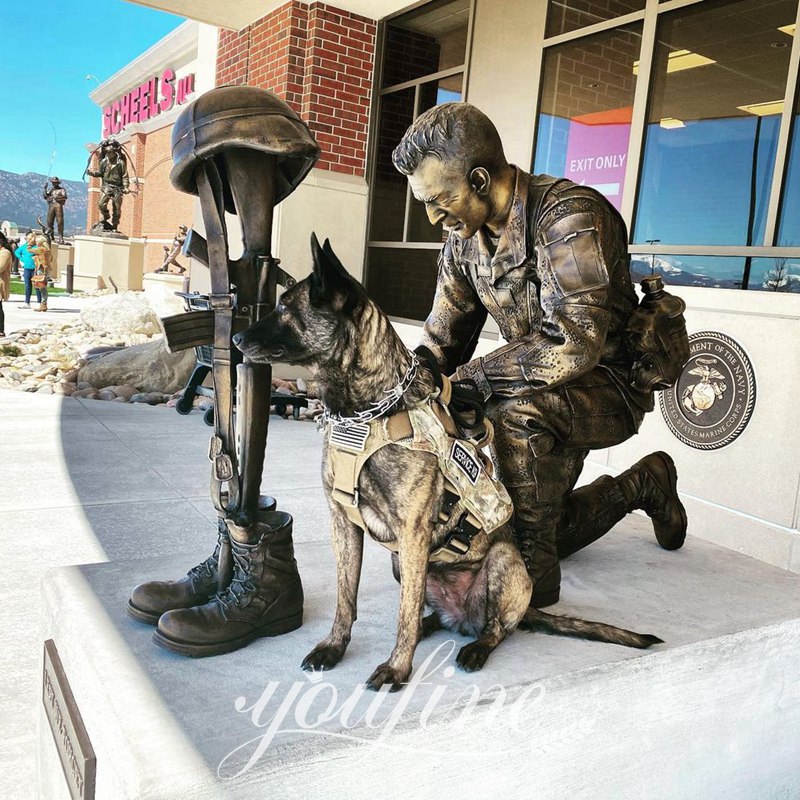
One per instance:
(456, 319)
(572, 257)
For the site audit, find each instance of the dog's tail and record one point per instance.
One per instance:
(597, 631)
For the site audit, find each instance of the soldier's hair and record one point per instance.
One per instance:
(457, 133)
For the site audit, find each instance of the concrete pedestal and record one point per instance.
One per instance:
(63, 254)
(104, 263)
(713, 713)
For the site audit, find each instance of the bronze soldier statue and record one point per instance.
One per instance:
(548, 260)
(112, 169)
(171, 253)
(56, 196)
(241, 150)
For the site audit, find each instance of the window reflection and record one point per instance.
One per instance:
(569, 15)
(779, 274)
(389, 186)
(428, 40)
(718, 272)
(713, 121)
(402, 281)
(585, 113)
(789, 225)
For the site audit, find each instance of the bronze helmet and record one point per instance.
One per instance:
(241, 116)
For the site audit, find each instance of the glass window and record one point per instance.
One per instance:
(789, 223)
(720, 272)
(428, 40)
(780, 274)
(569, 15)
(389, 186)
(402, 281)
(712, 129)
(585, 113)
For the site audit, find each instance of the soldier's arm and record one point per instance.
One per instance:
(456, 318)
(573, 295)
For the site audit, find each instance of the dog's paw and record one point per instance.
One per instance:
(323, 656)
(471, 657)
(385, 675)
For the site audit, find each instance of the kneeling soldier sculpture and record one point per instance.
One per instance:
(242, 150)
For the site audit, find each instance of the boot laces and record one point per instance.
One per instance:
(241, 584)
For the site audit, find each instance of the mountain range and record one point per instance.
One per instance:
(21, 201)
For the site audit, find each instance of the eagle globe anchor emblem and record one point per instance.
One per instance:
(699, 397)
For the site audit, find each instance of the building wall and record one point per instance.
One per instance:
(319, 59)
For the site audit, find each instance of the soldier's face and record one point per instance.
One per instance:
(449, 197)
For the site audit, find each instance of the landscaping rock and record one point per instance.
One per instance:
(121, 314)
(147, 367)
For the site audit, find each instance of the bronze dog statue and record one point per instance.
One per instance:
(327, 323)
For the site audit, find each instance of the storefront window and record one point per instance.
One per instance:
(789, 228)
(777, 274)
(716, 99)
(718, 272)
(423, 66)
(402, 280)
(569, 15)
(427, 40)
(585, 112)
(396, 113)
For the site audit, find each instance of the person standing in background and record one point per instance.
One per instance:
(43, 259)
(25, 257)
(6, 259)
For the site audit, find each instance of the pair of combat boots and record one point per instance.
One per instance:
(248, 588)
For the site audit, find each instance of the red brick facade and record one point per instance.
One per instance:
(320, 60)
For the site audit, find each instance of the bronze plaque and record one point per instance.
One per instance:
(72, 742)
(713, 399)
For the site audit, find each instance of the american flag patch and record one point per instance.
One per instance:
(352, 436)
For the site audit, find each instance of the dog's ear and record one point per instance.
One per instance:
(330, 282)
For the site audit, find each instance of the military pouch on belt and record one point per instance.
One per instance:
(656, 337)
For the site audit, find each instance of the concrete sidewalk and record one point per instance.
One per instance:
(87, 481)
(60, 308)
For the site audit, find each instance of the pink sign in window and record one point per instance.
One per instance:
(597, 151)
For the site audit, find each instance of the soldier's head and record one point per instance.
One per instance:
(55, 181)
(453, 157)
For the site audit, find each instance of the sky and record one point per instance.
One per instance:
(48, 51)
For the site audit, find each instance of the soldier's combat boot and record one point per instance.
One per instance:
(593, 510)
(150, 600)
(264, 597)
(651, 485)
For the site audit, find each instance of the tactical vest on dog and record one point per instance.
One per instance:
(474, 498)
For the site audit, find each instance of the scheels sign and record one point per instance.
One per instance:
(151, 98)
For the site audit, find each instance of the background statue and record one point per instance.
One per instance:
(112, 170)
(56, 196)
(171, 253)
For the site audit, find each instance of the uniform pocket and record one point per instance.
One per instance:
(574, 255)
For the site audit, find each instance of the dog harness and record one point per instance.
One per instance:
(474, 498)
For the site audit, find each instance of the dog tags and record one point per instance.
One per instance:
(351, 436)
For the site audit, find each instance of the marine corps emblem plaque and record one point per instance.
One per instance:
(713, 400)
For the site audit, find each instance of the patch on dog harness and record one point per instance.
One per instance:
(465, 461)
(351, 436)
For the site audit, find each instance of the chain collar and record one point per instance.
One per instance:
(379, 408)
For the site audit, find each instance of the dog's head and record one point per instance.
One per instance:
(311, 320)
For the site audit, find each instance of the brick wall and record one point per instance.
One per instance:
(320, 60)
